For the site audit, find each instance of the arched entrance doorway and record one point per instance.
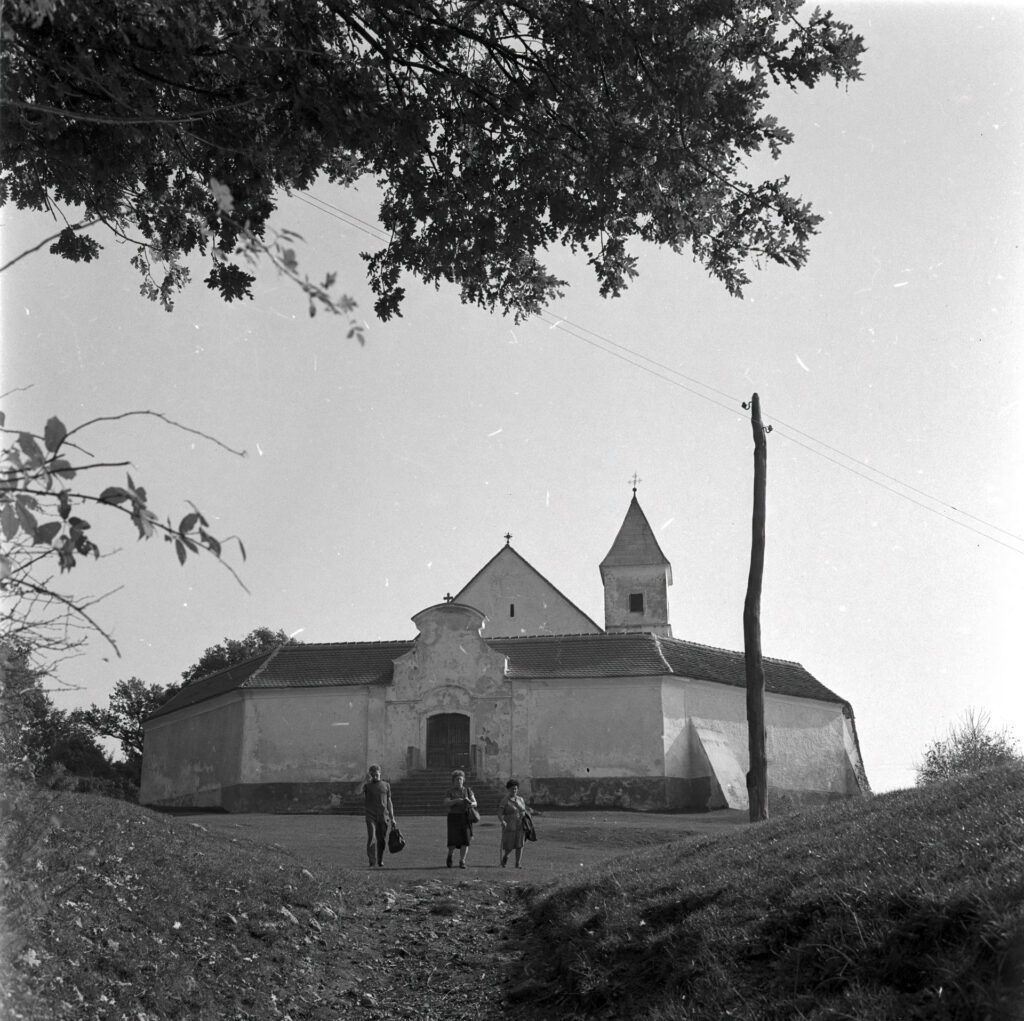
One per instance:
(448, 741)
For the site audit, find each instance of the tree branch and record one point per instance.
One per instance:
(28, 251)
(94, 118)
(163, 418)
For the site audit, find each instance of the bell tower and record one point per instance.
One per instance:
(636, 576)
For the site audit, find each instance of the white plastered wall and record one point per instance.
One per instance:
(809, 744)
(540, 609)
(306, 735)
(193, 753)
(608, 727)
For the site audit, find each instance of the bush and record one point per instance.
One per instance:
(970, 747)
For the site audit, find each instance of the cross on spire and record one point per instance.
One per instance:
(449, 598)
(635, 480)
(508, 538)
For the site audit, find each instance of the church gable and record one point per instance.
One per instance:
(448, 653)
(517, 599)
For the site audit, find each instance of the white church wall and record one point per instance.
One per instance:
(808, 751)
(303, 735)
(595, 742)
(190, 757)
(595, 728)
(518, 601)
(676, 735)
(806, 740)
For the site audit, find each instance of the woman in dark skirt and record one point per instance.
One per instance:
(460, 830)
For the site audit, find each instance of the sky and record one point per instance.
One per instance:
(379, 478)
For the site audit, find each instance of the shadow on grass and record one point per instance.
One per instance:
(904, 906)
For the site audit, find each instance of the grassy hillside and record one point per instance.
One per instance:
(909, 905)
(905, 906)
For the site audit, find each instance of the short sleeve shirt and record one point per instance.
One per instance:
(377, 793)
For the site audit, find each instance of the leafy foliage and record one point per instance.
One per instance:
(970, 746)
(35, 736)
(130, 703)
(42, 508)
(235, 650)
(496, 130)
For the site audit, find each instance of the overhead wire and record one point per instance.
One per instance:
(856, 468)
(635, 358)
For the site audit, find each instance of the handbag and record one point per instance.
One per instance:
(529, 831)
(395, 840)
(472, 815)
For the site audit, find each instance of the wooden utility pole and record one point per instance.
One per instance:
(757, 777)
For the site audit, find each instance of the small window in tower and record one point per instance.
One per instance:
(511, 609)
(636, 602)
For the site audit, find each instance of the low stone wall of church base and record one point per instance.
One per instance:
(632, 793)
(636, 793)
(298, 798)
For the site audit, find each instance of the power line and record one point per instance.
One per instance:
(562, 323)
(629, 355)
(903, 496)
(350, 219)
(892, 478)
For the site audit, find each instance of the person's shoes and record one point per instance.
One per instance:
(380, 864)
(519, 866)
(448, 861)
(371, 865)
(462, 865)
(504, 860)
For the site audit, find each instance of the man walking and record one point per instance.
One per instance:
(380, 812)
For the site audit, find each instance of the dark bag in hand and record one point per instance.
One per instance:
(395, 840)
(471, 813)
(528, 828)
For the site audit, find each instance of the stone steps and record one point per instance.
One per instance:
(422, 793)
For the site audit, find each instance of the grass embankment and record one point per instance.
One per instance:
(909, 905)
(906, 906)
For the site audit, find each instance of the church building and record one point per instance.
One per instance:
(506, 678)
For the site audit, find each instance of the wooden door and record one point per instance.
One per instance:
(448, 741)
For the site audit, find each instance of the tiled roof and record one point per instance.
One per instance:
(344, 664)
(641, 654)
(337, 664)
(635, 545)
(220, 683)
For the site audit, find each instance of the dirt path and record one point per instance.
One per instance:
(439, 944)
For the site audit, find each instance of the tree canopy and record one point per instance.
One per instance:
(131, 701)
(235, 650)
(495, 130)
(36, 736)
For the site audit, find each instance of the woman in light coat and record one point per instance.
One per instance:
(512, 811)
